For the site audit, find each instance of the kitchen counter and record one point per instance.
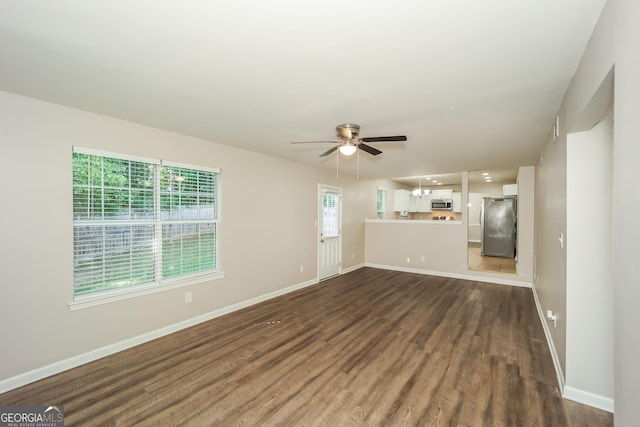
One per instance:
(414, 221)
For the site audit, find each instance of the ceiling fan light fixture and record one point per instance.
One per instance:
(348, 149)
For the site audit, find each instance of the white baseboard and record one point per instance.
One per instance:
(352, 268)
(552, 347)
(75, 361)
(473, 277)
(584, 397)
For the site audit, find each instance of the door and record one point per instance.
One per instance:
(329, 231)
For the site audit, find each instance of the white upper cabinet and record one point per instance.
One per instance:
(510, 190)
(423, 204)
(441, 194)
(457, 202)
(401, 200)
(412, 203)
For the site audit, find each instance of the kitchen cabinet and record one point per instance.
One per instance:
(441, 194)
(405, 201)
(457, 202)
(412, 203)
(423, 204)
(401, 199)
(510, 190)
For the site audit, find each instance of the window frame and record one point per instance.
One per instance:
(159, 284)
(381, 201)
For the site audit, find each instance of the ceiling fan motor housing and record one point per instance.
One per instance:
(348, 131)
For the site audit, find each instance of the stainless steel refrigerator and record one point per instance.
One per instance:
(498, 226)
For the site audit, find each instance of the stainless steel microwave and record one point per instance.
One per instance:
(442, 205)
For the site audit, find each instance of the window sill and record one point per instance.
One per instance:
(87, 301)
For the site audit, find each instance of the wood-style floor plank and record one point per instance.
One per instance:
(370, 348)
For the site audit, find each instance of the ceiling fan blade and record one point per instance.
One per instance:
(329, 151)
(384, 138)
(369, 149)
(315, 142)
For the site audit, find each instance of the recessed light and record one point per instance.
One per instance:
(485, 173)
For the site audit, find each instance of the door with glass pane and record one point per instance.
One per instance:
(330, 230)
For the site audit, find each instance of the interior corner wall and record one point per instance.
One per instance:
(551, 196)
(613, 43)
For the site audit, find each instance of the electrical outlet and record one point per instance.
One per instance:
(301, 268)
(408, 260)
(422, 258)
(188, 297)
(553, 317)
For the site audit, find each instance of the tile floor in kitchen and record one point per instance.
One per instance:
(476, 261)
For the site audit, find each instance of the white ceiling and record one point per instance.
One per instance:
(474, 85)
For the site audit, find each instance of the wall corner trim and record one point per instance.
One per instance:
(552, 347)
(586, 398)
(470, 276)
(90, 356)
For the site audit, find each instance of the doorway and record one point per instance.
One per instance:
(487, 185)
(329, 231)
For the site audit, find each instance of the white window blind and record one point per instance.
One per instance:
(330, 214)
(139, 221)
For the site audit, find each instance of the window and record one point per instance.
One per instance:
(140, 222)
(381, 202)
(330, 215)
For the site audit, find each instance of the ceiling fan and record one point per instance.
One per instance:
(349, 142)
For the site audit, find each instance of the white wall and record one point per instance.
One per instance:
(526, 210)
(441, 243)
(260, 253)
(550, 264)
(589, 278)
(551, 196)
(626, 205)
(614, 42)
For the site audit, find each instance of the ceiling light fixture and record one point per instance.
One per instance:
(348, 149)
(418, 191)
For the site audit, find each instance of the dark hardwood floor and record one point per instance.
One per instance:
(369, 348)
